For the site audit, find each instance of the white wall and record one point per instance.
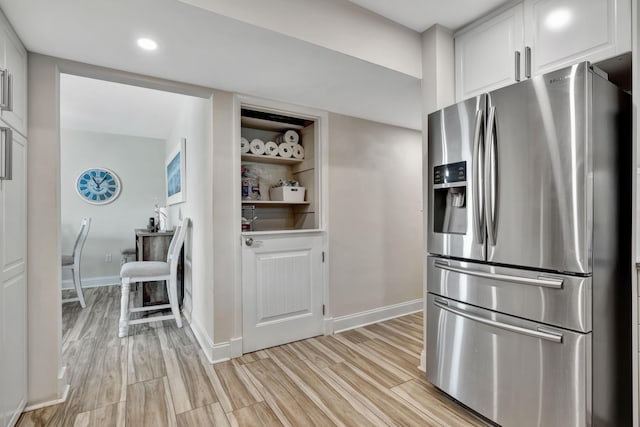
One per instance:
(438, 91)
(195, 124)
(375, 219)
(139, 163)
(334, 24)
(226, 242)
(45, 375)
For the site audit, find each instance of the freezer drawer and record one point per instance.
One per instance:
(513, 371)
(556, 299)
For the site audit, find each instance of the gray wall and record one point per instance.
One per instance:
(375, 218)
(139, 163)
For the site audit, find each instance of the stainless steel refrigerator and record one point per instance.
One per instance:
(529, 240)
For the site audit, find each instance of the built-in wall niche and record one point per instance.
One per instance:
(262, 169)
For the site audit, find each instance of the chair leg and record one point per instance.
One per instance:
(78, 285)
(124, 309)
(173, 300)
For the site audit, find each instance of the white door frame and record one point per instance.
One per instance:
(63, 66)
(322, 153)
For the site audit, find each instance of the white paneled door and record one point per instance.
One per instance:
(282, 290)
(13, 286)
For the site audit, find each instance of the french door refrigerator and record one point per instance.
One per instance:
(529, 241)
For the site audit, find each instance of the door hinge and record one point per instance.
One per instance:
(323, 309)
(322, 256)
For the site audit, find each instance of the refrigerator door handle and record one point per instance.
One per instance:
(540, 333)
(6, 156)
(478, 148)
(543, 281)
(490, 175)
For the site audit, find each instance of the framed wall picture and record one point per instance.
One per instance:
(176, 174)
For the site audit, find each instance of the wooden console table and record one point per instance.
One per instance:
(153, 246)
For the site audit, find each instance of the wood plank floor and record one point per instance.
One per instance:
(158, 376)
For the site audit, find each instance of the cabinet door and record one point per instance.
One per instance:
(485, 56)
(15, 61)
(563, 32)
(13, 313)
(281, 290)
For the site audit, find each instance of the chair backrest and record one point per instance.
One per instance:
(82, 237)
(176, 245)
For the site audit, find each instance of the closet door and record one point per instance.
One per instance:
(13, 315)
(281, 290)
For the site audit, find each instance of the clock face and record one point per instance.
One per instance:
(98, 186)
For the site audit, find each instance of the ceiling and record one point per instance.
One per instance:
(208, 49)
(100, 106)
(420, 15)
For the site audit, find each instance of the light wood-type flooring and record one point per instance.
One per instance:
(158, 376)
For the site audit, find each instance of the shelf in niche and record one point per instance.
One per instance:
(272, 203)
(261, 158)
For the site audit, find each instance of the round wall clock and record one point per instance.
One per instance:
(98, 186)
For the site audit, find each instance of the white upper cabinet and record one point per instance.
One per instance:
(485, 56)
(545, 34)
(13, 59)
(563, 32)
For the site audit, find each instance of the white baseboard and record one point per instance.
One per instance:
(364, 318)
(16, 415)
(63, 387)
(206, 344)
(233, 348)
(92, 282)
(423, 361)
(227, 350)
(220, 352)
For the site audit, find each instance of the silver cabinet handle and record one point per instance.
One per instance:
(527, 62)
(517, 67)
(545, 282)
(557, 338)
(6, 97)
(249, 241)
(490, 179)
(478, 214)
(6, 153)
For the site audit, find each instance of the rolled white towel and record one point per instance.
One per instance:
(298, 151)
(271, 148)
(284, 150)
(290, 136)
(244, 145)
(257, 146)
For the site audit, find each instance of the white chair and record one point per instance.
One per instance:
(151, 271)
(72, 262)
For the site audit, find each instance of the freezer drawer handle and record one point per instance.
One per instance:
(553, 337)
(547, 282)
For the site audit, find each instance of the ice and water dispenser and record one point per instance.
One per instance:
(450, 198)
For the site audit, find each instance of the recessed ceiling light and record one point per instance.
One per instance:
(558, 19)
(147, 44)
